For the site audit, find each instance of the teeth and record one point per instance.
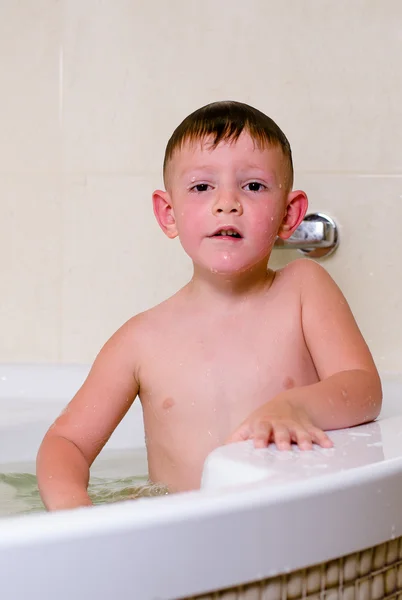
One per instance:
(227, 232)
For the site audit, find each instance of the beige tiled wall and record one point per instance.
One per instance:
(90, 92)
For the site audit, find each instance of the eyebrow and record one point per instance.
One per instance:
(195, 169)
(248, 167)
(253, 166)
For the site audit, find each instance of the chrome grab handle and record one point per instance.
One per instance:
(316, 236)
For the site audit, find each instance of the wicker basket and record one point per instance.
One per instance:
(372, 574)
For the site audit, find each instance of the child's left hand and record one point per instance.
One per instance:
(281, 422)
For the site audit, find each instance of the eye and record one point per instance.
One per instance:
(200, 187)
(255, 186)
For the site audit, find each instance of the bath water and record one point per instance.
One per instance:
(115, 476)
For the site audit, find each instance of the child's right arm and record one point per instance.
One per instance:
(75, 439)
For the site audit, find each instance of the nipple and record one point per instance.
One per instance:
(167, 404)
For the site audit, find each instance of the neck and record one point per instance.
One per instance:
(230, 288)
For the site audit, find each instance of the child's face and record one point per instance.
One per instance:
(236, 186)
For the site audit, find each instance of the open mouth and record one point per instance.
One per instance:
(227, 234)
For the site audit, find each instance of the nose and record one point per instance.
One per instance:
(226, 202)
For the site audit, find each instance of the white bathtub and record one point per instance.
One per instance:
(266, 525)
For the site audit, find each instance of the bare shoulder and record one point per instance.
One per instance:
(303, 275)
(149, 320)
(330, 330)
(145, 329)
(314, 284)
(128, 341)
(123, 350)
(303, 268)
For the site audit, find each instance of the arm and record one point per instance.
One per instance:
(75, 439)
(349, 389)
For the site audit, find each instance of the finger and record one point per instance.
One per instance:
(262, 434)
(303, 439)
(240, 435)
(281, 436)
(320, 437)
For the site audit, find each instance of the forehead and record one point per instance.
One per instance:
(243, 152)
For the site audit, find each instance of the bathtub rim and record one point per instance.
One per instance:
(152, 511)
(245, 505)
(173, 526)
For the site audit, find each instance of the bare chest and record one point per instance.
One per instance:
(225, 369)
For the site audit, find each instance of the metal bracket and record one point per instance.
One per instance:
(317, 236)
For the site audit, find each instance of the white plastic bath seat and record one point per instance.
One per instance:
(240, 463)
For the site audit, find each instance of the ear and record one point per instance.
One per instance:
(296, 208)
(163, 211)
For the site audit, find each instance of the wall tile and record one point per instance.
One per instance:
(328, 72)
(117, 262)
(30, 86)
(366, 264)
(92, 90)
(30, 267)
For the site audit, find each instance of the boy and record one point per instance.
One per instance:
(241, 351)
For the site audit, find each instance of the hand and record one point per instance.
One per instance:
(281, 422)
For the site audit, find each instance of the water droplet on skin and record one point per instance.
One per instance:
(210, 434)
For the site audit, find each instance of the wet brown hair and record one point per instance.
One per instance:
(225, 121)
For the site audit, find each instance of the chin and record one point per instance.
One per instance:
(228, 267)
(229, 264)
